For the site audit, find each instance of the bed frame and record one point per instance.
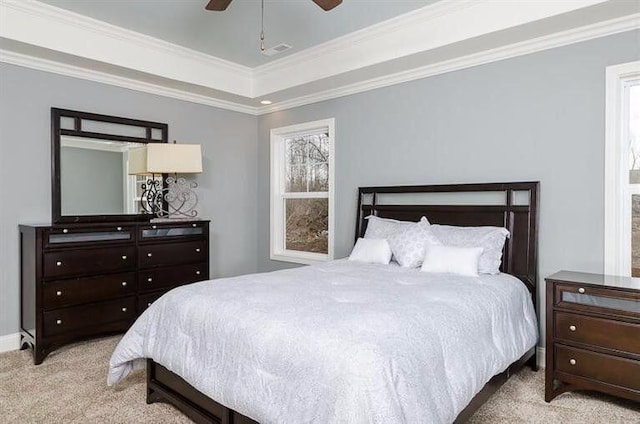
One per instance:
(510, 205)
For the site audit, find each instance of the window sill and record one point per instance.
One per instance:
(303, 258)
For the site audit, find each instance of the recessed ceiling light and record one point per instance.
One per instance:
(265, 102)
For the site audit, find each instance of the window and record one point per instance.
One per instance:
(302, 180)
(622, 171)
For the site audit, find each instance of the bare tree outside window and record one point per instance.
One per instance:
(307, 171)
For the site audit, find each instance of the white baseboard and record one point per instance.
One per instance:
(541, 357)
(9, 342)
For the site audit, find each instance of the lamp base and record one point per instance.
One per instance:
(178, 196)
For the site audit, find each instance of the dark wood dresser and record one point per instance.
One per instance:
(593, 334)
(85, 280)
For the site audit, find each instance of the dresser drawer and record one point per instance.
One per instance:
(153, 255)
(80, 236)
(146, 300)
(164, 278)
(89, 261)
(610, 334)
(93, 315)
(61, 293)
(172, 231)
(604, 368)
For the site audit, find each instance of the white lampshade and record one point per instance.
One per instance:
(165, 158)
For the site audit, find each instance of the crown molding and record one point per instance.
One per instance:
(60, 68)
(600, 29)
(439, 24)
(43, 25)
(17, 17)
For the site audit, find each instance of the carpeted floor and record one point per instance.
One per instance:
(70, 387)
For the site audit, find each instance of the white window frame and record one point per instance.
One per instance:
(617, 199)
(278, 194)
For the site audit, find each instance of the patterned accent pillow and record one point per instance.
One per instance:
(382, 228)
(409, 245)
(491, 239)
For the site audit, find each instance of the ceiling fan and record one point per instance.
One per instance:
(220, 5)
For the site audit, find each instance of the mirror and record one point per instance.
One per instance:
(91, 182)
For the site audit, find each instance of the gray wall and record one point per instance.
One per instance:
(227, 187)
(91, 182)
(536, 117)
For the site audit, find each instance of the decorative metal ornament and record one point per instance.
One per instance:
(178, 196)
(151, 198)
(181, 198)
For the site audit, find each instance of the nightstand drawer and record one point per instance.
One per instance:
(169, 277)
(89, 261)
(153, 255)
(89, 316)
(604, 368)
(596, 299)
(62, 293)
(606, 333)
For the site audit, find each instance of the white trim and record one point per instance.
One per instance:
(600, 29)
(74, 71)
(617, 244)
(542, 355)
(9, 342)
(428, 28)
(277, 252)
(588, 32)
(53, 28)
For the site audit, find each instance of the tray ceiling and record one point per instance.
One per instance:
(233, 34)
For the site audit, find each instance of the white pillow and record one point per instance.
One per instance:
(373, 251)
(382, 228)
(410, 243)
(490, 239)
(456, 260)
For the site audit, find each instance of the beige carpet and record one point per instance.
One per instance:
(70, 387)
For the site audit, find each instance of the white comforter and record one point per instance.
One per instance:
(339, 342)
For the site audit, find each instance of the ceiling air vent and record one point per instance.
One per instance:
(276, 49)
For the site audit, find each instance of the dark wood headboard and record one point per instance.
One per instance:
(510, 205)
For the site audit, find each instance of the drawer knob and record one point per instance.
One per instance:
(59, 293)
(119, 228)
(58, 321)
(572, 327)
(149, 254)
(124, 257)
(124, 309)
(581, 290)
(149, 279)
(154, 226)
(572, 361)
(124, 284)
(197, 272)
(198, 250)
(59, 263)
(194, 225)
(65, 231)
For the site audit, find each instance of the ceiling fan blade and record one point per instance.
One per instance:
(327, 4)
(218, 5)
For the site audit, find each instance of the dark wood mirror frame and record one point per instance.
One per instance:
(57, 131)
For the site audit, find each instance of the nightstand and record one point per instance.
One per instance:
(593, 334)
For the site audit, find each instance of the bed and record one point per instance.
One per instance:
(341, 342)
